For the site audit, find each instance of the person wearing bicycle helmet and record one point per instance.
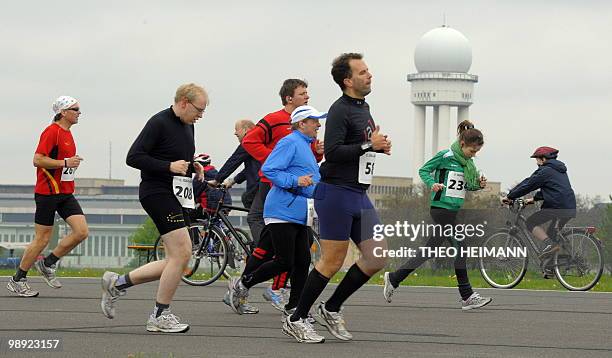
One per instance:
(554, 189)
(205, 195)
(454, 173)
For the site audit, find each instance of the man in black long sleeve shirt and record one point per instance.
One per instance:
(344, 210)
(163, 152)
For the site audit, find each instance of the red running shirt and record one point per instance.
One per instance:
(55, 143)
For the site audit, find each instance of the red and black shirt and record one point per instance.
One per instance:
(261, 139)
(55, 143)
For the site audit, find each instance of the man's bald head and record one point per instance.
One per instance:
(241, 128)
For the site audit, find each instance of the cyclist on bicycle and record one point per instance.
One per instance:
(555, 190)
(205, 195)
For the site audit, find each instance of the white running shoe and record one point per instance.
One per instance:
(475, 301)
(110, 294)
(302, 331)
(333, 321)
(47, 273)
(167, 323)
(388, 288)
(287, 313)
(237, 294)
(21, 288)
(245, 308)
(277, 298)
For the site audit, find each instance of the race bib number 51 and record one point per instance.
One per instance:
(182, 187)
(366, 167)
(455, 185)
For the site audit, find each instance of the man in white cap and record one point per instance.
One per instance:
(292, 168)
(56, 162)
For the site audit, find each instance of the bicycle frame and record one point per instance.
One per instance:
(219, 215)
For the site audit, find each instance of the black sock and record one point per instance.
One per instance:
(315, 284)
(50, 260)
(354, 279)
(159, 308)
(392, 279)
(123, 282)
(19, 274)
(465, 290)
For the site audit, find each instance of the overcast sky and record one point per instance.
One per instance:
(544, 70)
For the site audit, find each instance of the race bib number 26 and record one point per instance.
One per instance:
(182, 187)
(68, 174)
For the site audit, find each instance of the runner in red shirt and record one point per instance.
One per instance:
(56, 162)
(259, 143)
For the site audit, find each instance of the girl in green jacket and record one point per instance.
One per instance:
(454, 173)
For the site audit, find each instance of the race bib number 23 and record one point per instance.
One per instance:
(455, 185)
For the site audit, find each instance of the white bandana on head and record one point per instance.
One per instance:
(63, 102)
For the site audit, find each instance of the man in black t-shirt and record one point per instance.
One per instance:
(351, 142)
(163, 152)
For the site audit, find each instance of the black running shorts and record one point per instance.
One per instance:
(165, 211)
(65, 205)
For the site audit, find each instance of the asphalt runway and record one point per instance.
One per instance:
(421, 322)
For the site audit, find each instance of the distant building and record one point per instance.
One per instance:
(112, 210)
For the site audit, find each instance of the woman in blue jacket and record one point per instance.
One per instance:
(292, 168)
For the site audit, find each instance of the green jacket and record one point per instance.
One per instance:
(448, 171)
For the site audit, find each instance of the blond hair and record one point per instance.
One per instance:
(190, 91)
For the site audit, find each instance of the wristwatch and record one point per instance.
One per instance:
(366, 146)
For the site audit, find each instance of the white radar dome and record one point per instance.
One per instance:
(443, 49)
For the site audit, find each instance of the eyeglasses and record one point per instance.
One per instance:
(200, 110)
(76, 109)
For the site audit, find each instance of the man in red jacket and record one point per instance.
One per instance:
(259, 143)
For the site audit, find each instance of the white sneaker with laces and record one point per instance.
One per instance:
(302, 331)
(110, 294)
(475, 301)
(167, 323)
(48, 274)
(21, 288)
(333, 321)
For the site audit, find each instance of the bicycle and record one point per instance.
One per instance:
(214, 249)
(218, 248)
(578, 263)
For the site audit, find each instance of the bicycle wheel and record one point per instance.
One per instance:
(207, 266)
(237, 256)
(315, 249)
(503, 272)
(579, 263)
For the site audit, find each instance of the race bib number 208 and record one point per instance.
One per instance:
(182, 187)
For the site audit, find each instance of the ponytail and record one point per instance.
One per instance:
(468, 134)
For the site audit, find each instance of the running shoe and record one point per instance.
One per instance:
(246, 308)
(167, 323)
(21, 288)
(388, 288)
(333, 321)
(302, 331)
(110, 294)
(237, 294)
(47, 273)
(275, 297)
(475, 301)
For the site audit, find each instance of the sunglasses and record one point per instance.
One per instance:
(76, 109)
